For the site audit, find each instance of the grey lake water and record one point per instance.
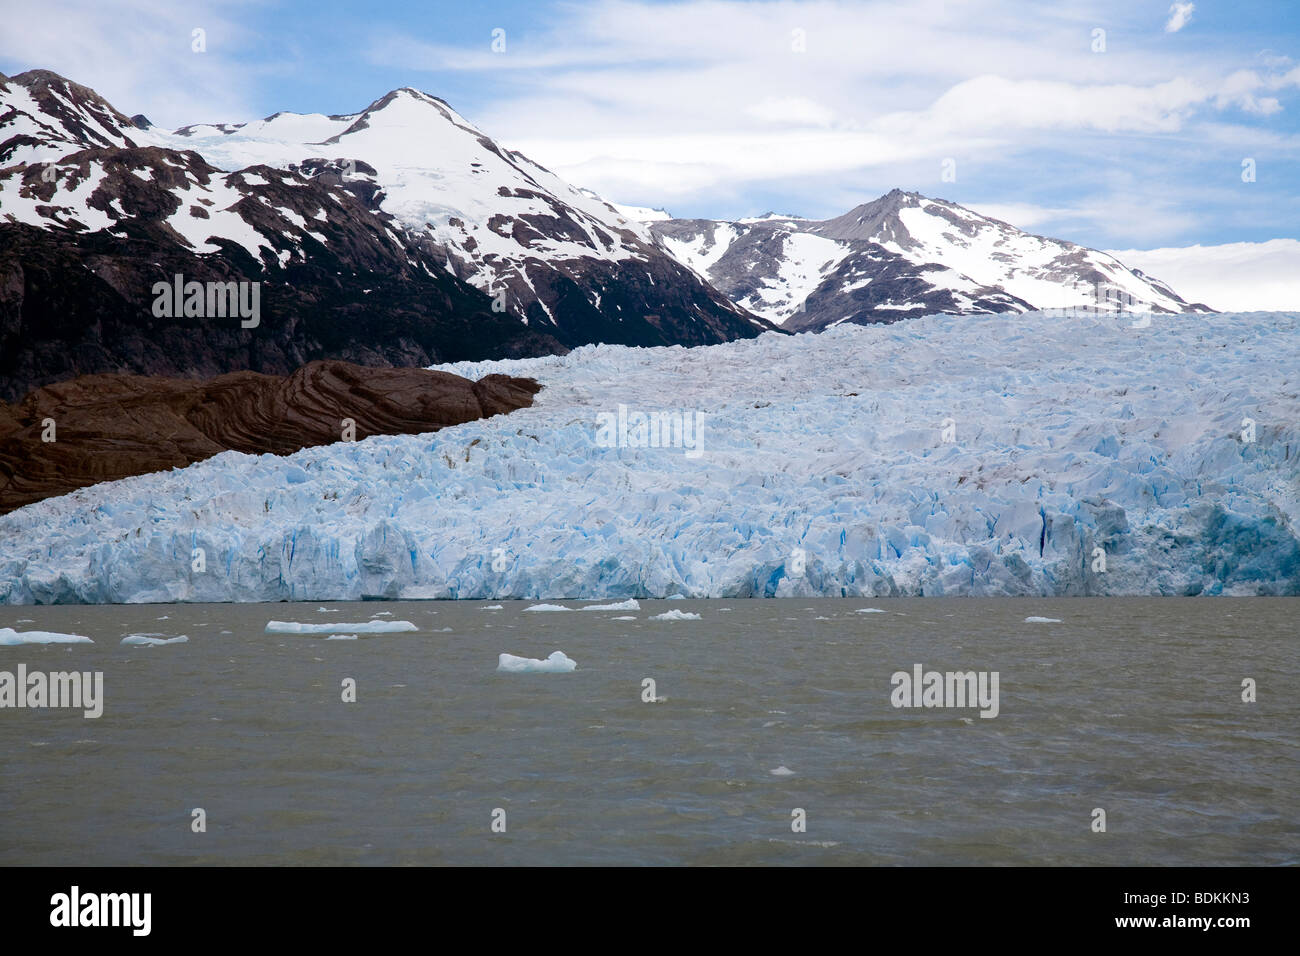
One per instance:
(769, 713)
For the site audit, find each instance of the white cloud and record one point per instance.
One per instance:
(790, 111)
(1246, 276)
(665, 103)
(1179, 15)
(137, 54)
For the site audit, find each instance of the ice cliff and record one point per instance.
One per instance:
(1035, 454)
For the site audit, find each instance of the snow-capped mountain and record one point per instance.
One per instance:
(903, 255)
(398, 235)
(558, 257)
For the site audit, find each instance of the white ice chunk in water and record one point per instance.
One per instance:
(154, 640)
(1042, 620)
(341, 637)
(675, 615)
(365, 627)
(557, 663)
(869, 610)
(491, 607)
(548, 607)
(629, 605)
(782, 771)
(10, 637)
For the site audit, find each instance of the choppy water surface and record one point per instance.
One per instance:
(1130, 705)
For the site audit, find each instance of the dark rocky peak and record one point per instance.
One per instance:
(84, 117)
(875, 221)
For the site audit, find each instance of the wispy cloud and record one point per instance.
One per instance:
(140, 54)
(728, 108)
(1180, 14)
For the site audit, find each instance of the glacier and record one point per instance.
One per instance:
(1031, 454)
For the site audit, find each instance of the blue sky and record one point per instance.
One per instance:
(729, 109)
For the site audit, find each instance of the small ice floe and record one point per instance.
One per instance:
(548, 607)
(782, 771)
(382, 614)
(154, 640)
(165, 618)
(629, 605)
(341, 637)
(327, 610)
(675, 615)
(822, 844)
(1042, 620)
(557, 663)
(443, 630)
(870, 610)
(365, 627)
(9, 637)
(624, 617)
(491, 607)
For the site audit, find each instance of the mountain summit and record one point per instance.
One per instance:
(397, 235)
(559, 258)
(903, 255)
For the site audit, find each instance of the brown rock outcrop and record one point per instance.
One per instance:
(107, 427)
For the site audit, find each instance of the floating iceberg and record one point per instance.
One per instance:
(341, 637)
(629, 605)
(154, 640)
(870, 610)
(365, 627)
(1033, 455)
(548, 607)
(10, 637)
(675, 615)
(1042, 620)
(557, 663)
